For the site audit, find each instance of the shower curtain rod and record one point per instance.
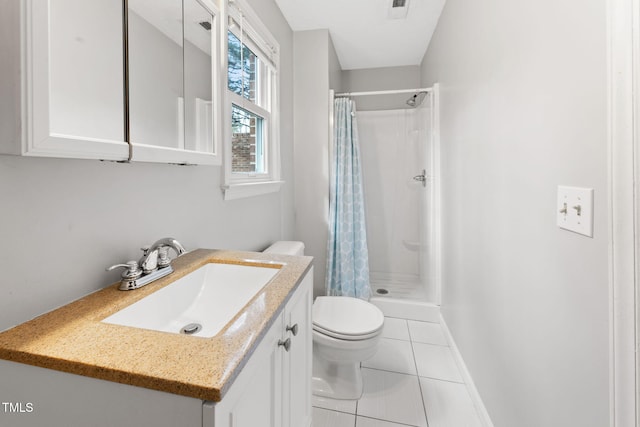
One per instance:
(385, 92)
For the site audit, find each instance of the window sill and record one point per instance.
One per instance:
(250, 189)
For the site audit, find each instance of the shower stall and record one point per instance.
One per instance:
(399, 148)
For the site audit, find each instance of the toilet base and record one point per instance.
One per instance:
(336, 380)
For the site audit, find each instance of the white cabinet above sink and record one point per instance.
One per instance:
(98, 80)
(63, 76)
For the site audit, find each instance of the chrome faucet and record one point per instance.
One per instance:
(154, 264)
(157, 255)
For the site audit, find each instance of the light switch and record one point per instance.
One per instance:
(574, 210)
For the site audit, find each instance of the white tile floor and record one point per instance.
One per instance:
(413, 380)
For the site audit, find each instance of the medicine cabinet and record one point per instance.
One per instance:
(114, 80)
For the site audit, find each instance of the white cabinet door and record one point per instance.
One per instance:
(255, 397)
(173, 85)
(297, 363)
(74, 79)
(274, 388)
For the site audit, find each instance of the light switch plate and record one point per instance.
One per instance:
(574, 210)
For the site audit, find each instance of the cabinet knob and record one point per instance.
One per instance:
(293, 329)
(286, 343)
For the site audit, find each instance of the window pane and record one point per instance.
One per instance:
(247, 142)
(243, 69)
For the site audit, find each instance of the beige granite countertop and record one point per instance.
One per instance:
(73, 339)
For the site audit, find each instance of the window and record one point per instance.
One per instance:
(243, 68)
(247, 142)
(252, 164)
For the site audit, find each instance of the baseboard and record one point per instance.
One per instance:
(466, 376)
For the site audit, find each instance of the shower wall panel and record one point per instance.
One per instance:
(394, 146)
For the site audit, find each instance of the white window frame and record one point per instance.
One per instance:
(258, 38)
(239, 101)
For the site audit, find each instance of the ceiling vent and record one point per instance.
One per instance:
(398, 9)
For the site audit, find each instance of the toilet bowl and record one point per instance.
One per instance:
(346, 332)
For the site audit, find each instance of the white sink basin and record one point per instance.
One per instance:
(209, 296)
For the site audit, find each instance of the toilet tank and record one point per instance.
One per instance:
(284, 247)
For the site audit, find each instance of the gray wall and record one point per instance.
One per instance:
(523, 109)
(64, 221)
(335, 69)
(316, 70)
(311, 130)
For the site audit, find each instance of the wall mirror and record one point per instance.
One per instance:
(172, 53)
(155, 72)
(198, 66)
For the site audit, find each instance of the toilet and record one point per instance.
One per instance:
(346, 332)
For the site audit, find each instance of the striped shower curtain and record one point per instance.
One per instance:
(347, 257)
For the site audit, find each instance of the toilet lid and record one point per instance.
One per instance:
(346, 317)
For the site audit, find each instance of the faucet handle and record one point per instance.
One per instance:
(163, 257)
(149, 261)
(133, 270)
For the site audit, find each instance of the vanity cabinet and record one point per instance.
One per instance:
(274, 388)
(96, 80)
(297, 363)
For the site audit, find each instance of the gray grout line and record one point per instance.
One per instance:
(424, 405)
(386, 421)
(386, 370)
(430, 343)
(395, 339)
(415, 362)
(334, 410)
(410, 336)
(443, 380)
(391, 372)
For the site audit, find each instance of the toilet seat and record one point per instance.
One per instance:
(345, 337)
(346, 318)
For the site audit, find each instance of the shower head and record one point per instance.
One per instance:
(416, 99)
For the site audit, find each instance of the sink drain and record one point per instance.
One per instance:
(191, 328)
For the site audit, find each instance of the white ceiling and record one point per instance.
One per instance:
(362, 32)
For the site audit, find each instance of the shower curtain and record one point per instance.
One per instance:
(347, 257)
